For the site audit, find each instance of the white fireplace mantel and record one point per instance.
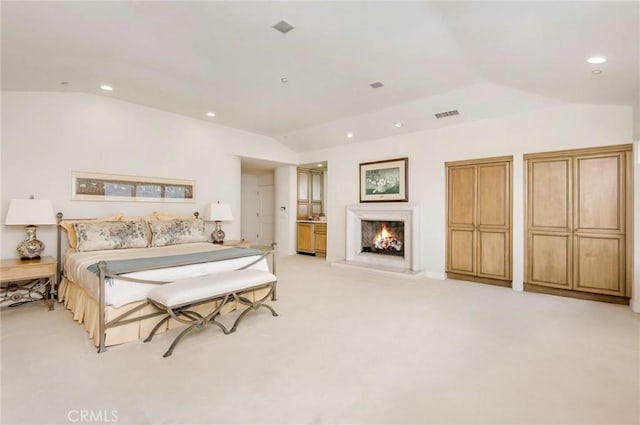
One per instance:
(400, 211)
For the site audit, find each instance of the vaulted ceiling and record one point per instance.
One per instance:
(310, 86)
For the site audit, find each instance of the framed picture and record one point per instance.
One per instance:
(384, 181)
(113, 187)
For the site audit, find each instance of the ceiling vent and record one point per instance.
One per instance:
(447, 114)
(376, 85)
(283, 27)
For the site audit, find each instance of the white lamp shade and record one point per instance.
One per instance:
(30, 212)
(218, 212)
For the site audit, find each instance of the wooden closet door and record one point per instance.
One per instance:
(599, 235)
(461, 198)
(493, 220)
(578, 216)
(549, 222)
(479, 219)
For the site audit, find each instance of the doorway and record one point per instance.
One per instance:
(265, 233)
(257, 224)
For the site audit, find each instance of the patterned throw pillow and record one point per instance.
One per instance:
(111, 235)
(71, 233)
(146, 220)
(177, 231)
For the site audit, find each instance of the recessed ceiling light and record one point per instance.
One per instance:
(397, 124)
(596, 60)
(106, 87)
(284, 80)
(596, 71)
(350, 135)
(376, 85)
(211, 114)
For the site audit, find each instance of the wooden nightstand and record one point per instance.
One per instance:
(245, 244)
(21, 280)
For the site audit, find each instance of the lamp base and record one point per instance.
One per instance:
(37, 257)
(30, 248)
(218, 235)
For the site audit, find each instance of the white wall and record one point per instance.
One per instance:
(572, 126)
(636, 121)
(46, 136)
(635, 301)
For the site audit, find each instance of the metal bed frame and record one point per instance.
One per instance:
(104, 273)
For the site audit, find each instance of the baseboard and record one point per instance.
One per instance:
(475, 279)
(436, 275)
(635, 305)
(528, 287)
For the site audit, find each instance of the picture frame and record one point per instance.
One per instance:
(384, 181)
(123, 188)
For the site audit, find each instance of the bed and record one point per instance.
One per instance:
(113, 262)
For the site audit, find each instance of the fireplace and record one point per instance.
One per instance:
(383, 237)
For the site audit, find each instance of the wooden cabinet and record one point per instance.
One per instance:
(303, 210)
(577, 217)
(306, 238)
(320, 233)
(310, 197)
(312, 238)
(479, 220)
(316, 192)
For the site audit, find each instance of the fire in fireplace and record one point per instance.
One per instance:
(383, 237)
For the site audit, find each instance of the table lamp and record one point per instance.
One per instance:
(30, 213)
(218, 212)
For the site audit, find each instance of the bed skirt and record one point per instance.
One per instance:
(86, 310)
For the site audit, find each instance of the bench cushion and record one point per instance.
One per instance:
(187, 291)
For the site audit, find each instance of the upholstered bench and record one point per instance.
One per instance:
(179, 297)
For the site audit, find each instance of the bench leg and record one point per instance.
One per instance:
(218, 324)
(253, 306)
(178, 339)
(156, 327)
(195, 320)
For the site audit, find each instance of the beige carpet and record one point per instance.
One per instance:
(348, 347)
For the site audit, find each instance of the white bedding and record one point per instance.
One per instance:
(123, 292)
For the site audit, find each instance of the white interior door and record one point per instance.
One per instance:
(265, 215)
(249, 224)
